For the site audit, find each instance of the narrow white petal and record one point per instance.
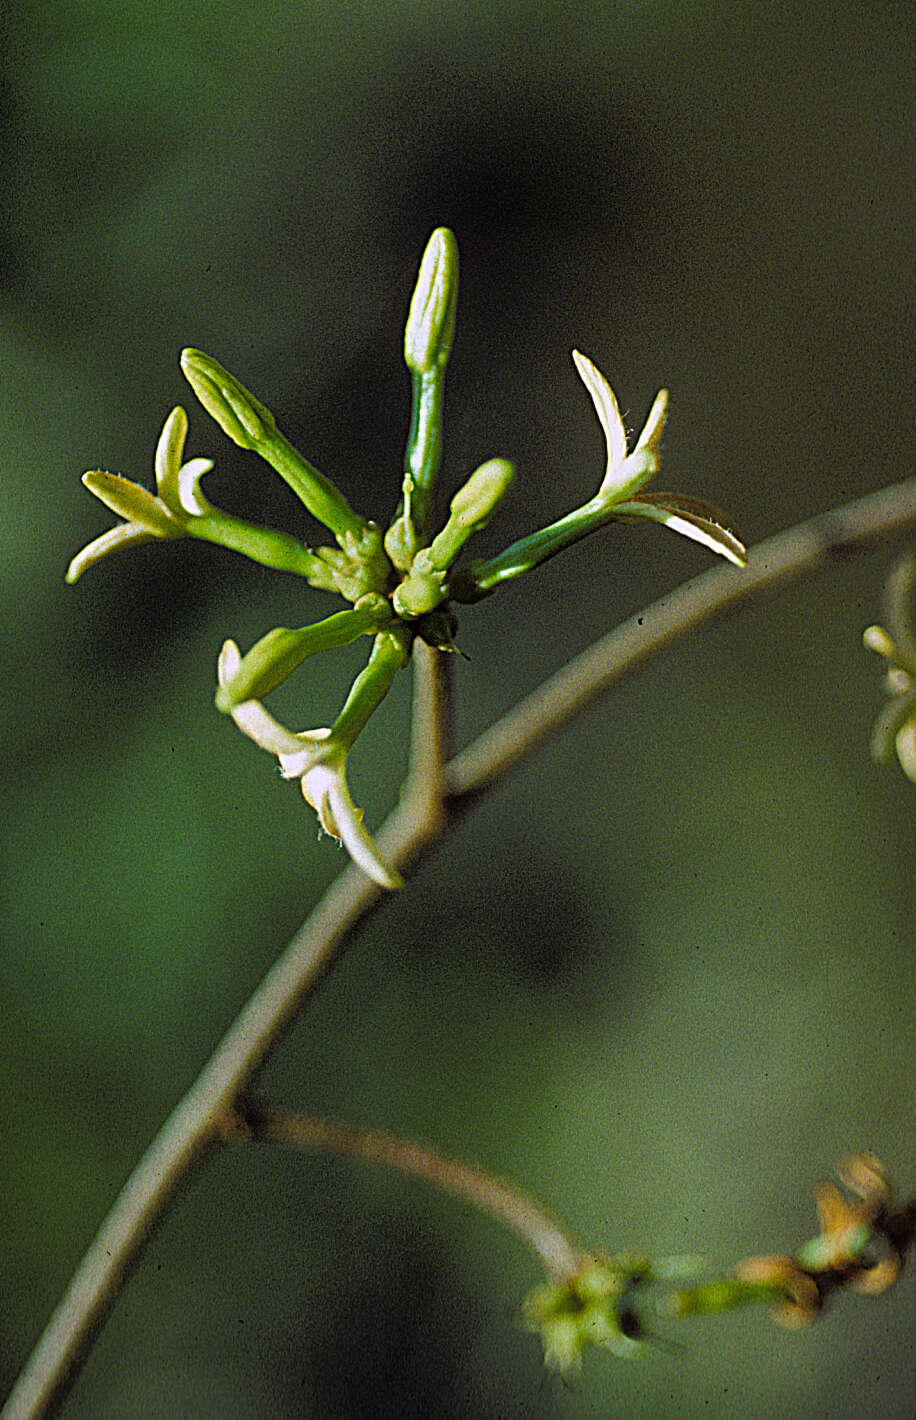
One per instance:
(651, 436)
(607, 408)
(124, 535)
(259, 725)
(168, 456)
(708, 539)
(230, 658)
(357, 839)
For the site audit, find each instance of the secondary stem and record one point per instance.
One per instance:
(500, 1199)
(193, 1127)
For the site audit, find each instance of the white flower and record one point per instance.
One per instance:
(318, 761)
(625, 472)
(148, 515)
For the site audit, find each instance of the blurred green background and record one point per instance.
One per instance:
(664, 976)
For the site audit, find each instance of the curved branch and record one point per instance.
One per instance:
(782, 558)
(502, 1200)
(416, 825)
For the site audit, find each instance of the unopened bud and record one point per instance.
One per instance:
(431, 319)
(471, 509)
(237, 412)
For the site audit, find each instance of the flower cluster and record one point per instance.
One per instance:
(860, 1246)
(402, 582)
(895, 727)
(614, 1302)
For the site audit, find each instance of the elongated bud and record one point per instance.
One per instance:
(471, 509)
(235, 410)
(431, 319)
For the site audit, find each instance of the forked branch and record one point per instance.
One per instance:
(417, 824)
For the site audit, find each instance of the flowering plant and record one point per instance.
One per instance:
(404, 584)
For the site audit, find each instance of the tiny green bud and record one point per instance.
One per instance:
(471, 509)
(422, 589)
(235, 410)
(402, 543)
(431, 319)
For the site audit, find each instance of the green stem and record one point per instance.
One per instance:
(323, 500)
(710, 1298)
(424, 447)
(250, 425)
(263, 545)
(390, 652)
(430, 729)
(479, 579)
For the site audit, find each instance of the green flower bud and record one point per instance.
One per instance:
(277, 654)
(401, 542)
(431, 319)
(471, 509)
(237, 412)
(422, 590)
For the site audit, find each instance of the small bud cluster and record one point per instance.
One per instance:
(895, 727)
(615, 1302)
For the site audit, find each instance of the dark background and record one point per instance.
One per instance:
(664, 976)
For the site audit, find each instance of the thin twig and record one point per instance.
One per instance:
(501, 1199)
(193, 1127)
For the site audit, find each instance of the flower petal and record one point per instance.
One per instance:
(167, 462)
(654, 427)
(190, 497)
(132, 502)
(607, 408)
(691, 517)
(124, 535)
(356, 838)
